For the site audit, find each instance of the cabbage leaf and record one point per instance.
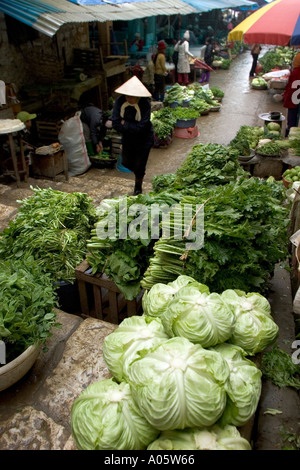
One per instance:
(134, 334)
(211, 438)
(105, 417)
(200, 317)
(254, 328)
(179, 384)
(244, 385)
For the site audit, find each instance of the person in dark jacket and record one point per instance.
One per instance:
(91, 118)
(208, 59)
(255, 50)
(291, 96)
(131, 117)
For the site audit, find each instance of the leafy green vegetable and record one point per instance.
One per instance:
(185, 113)
(27, 301)
(270, 148)
(158, 298)
(244, 236)
(277, 366)
(217, 92)
(246, 138)
(178, 93)
(254, 328)
(243, 388)
(211, 438)
(202, 317)
(258, 81)
(207, 164)
(134, 334)
(53, 227)
(113, 249)
(105, 417)
(167, 384)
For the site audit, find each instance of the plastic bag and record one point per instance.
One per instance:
(72, 138)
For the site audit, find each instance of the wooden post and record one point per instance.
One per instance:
(14, 158)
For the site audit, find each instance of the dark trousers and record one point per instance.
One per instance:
(254, 64)
(159, 87)
(292, 119)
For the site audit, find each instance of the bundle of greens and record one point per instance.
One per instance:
(27, 301)
(121, 243)
(277, 365)
(200, 105)
(185, 113)
(163, 182)
(270, 148)
(279, 56)
(163, 122)
(259, 82)
(244, 236)
(205, 94)
(217, 92)
(206, 165)
(178, 94)
(53, 227)
(247, 138)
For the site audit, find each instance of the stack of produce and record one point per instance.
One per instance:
(53, 227)
(247, 138)
(277, 57)
(121, 243)
(244, 233)
(205, 165)
(205, 94)
(217, 93)
(178, 94)
(180, 375)
(163, 122)
(259, 82)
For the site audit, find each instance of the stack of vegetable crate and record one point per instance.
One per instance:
(101, 298)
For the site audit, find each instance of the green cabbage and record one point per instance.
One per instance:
(212, 438)
(133, 334)
(200, 317)
(105, 417)
(156, 300)
(243, 388)
(179, 384)
(254, 328)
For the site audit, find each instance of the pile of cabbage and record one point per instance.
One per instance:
(181, 378)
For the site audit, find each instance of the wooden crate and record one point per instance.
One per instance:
(101, 298)
(49, 128)
(50, 165)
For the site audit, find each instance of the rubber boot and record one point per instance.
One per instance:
(202, 79)
(138, 186)
(207, 76)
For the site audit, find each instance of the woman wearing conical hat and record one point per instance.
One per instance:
(131, 117)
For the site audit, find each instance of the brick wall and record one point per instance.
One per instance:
(19, 58)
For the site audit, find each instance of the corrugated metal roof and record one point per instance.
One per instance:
(47, 16)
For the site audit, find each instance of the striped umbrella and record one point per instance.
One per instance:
(277, 23)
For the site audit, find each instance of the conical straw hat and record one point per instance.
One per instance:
(133, 87)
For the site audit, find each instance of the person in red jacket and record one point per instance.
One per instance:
(291, 95)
